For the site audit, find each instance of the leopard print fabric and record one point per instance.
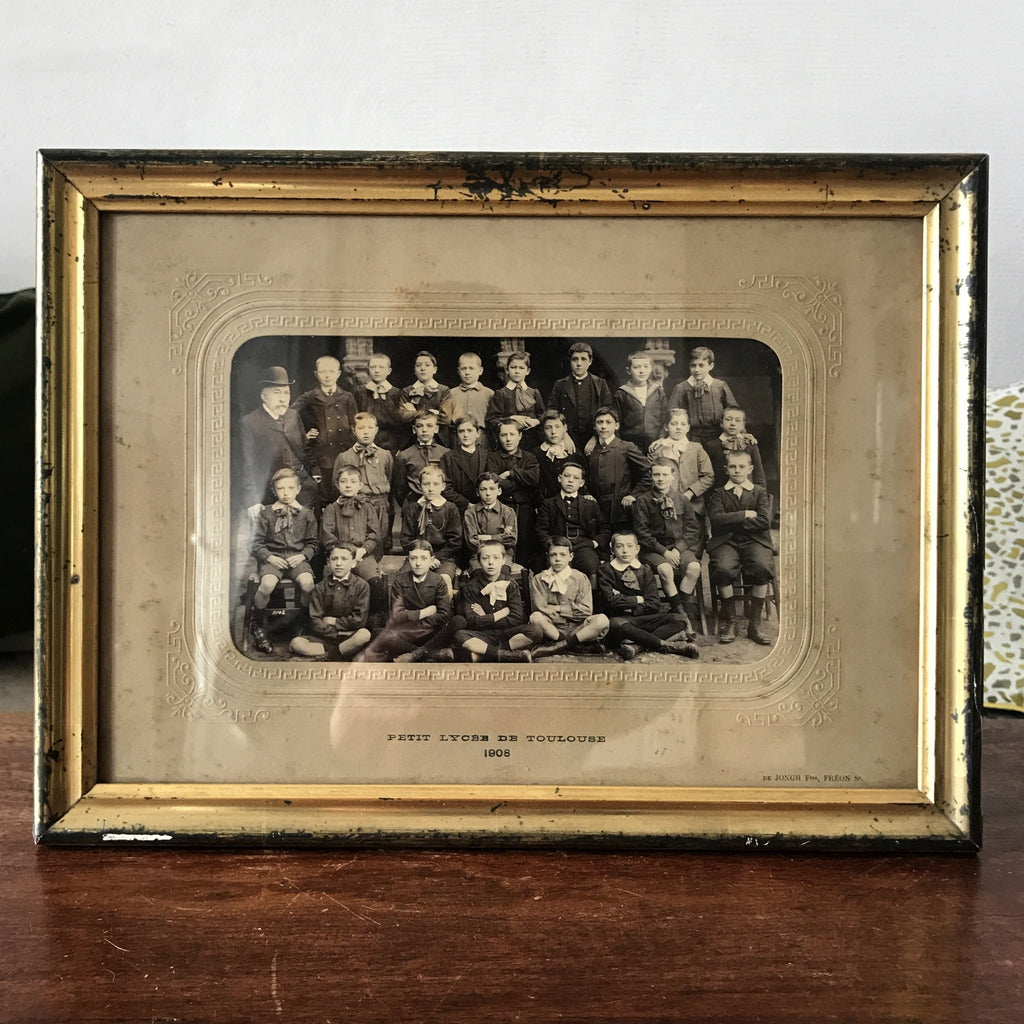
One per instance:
(1004, 550)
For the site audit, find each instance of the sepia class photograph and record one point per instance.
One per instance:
(439, 499)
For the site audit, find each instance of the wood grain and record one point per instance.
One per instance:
(118, 935)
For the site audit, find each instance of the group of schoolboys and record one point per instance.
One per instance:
(597, 492)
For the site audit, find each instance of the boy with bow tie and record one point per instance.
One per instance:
(425, 393)
(432, 518)
(563, 605)
(411, 461)
(491, 609)
(740, 542)
(703, 397)
(555, 450)
(517, 401)
(284, 542)
(693, 466)
(376, 467)
(351, 520)
(577, 516)
(381, 398)
(630, 594)
(338, 609)
(669, 534)
(734, 438)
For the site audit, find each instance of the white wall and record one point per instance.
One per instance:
(547, 75)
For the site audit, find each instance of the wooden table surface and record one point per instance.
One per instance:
(116, 935)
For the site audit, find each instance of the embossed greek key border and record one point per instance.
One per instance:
(800, 318)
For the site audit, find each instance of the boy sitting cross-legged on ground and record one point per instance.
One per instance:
(564, 607)
(419, 624)
(491, 609)
(630, 593)
(284, 542)
(338, 608)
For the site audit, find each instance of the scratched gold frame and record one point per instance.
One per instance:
(941, 198)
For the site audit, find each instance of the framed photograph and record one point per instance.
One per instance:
(460, 500)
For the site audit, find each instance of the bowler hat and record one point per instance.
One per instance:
(274, 376)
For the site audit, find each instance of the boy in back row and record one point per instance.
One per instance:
(616, 472)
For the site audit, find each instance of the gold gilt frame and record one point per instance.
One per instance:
(863, 276)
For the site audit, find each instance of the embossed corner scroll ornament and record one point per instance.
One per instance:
(192, 298)
(815, 703)
(819, 301)
(193, 699)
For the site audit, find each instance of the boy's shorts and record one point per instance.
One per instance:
(654, 559)
(266, 569)
(729, 560)
(567, 630)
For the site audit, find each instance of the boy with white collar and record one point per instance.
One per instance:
(381, 398)
(491, 608)
(557, 447)
(517, 401)
(630, 593)
(704, 397)
(327, 412)
(571, 513)
(426, 393)
(641, 403)
(488, 521)
(696, 475)
(420, 623)
(411, 461)
(563, 605)
(432, 518)
(338, 609)
(580, 395)
(285, 540)
(734, 437)
(740, 542)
